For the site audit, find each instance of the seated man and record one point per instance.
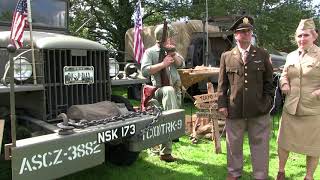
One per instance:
(168, 81)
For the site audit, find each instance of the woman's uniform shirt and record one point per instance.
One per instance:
(303, 76)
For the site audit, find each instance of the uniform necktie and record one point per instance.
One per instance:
(302, 53)
(245, 57)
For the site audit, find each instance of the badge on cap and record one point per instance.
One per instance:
(245, 21)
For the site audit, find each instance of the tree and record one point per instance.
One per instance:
(112, 18)
(275, 20)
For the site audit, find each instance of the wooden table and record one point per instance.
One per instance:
(192, 76)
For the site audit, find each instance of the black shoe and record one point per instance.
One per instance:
(176, 140)
(167, 158)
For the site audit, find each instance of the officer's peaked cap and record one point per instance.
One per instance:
(244, 22)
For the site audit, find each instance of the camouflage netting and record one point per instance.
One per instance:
(100, 110)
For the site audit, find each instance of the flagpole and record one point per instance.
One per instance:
(207, 38)
(31, 41)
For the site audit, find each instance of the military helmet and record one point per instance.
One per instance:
(159, 30)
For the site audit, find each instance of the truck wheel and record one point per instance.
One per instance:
(120, 155)
(125, 101)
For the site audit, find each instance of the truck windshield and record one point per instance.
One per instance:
(45, 13)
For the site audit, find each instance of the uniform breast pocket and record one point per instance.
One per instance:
(233, 74)
(259, 69)
(312, 69)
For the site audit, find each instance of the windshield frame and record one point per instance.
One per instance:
(7, 24)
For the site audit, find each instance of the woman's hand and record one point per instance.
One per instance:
(285, 88)
(316, 93)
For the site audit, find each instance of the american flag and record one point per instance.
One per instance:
(19, 22)
(138, 43)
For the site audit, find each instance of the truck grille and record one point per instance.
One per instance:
(60, 97)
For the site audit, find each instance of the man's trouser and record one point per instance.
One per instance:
(169, 99)
(1, 133)
(258, 133)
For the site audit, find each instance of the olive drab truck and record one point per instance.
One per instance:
(63, 101)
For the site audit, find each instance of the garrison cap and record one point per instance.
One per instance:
(306, 24)
(244, 22)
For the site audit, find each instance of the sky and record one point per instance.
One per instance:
(315, 2)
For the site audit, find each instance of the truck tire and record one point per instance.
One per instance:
(125, 101)
(118, 153)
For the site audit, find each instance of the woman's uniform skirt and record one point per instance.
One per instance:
(300, 134)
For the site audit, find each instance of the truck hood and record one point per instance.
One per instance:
(47, 40)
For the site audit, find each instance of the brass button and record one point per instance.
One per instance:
(245, 67)
(245, 74)
(246, 89)
(245, 81)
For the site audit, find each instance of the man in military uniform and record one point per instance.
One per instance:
(245, 97)
(168, 94)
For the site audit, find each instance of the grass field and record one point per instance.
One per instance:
(195, 161)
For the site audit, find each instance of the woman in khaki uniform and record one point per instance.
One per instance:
(300, 81)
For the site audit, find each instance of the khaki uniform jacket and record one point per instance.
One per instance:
(245, 89)
(303, 76)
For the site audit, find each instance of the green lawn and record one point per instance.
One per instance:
(195, 162)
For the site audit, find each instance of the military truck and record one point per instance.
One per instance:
(63, 99)
(192, 37)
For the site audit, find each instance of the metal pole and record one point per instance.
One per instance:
(11, 49)
(207, 36)
(31, 41)
(84, 23)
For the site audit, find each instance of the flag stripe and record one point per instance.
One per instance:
(138, 43)
(19, 22)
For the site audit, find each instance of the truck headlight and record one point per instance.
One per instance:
(113, 67)
(22, 68)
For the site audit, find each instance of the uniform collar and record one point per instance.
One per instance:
(156, 47)
(237, 54)
(243, 50)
